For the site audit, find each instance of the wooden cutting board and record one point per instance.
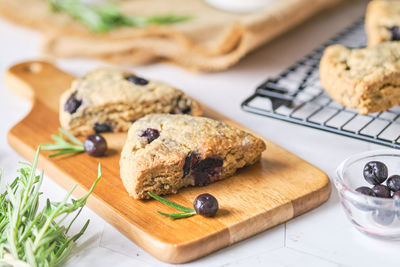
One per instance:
(278, 188)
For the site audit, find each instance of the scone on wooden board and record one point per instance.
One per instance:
(367, 79)
(109, 100)
(382, 21)
(164, 153)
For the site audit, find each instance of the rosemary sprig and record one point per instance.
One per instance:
(177, 215)
(187, 212)
(64, 146)
(29, 237)
(106, 16)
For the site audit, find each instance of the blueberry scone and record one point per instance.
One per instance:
(382, 21)
(366, 79)
(164, 153)
(109, 100)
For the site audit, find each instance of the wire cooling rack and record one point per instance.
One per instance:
(296, 96)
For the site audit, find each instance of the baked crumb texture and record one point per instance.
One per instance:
(187, 151)
(105, 100)
(382, 21)
(366, 79)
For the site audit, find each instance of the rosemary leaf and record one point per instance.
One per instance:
(177, 215)
(63, 152)
(70, 137)
(29, 237)
(63, 145)
(106, 16)
(171, 204)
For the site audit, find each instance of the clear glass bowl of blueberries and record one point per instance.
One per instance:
(369, 188)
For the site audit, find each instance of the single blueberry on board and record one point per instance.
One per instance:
(95, 145)
(206, 205)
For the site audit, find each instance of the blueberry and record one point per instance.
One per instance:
(136, 80)
(183, 106)
(206, 170)
(201, 178)
(95, 145)
(103, 127)
(72, 104)
(383, 216)
(393, 183)
(381, 191)
(375, 172)
(186, 110)
(395, 31)
(366, 191)
(206, 205)
(396, 195)
(150, 134)
(190, 160)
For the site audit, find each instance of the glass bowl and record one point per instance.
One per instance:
(377, 217)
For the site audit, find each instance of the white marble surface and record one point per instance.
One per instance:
(322, 237)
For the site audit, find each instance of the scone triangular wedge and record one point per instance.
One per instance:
(164, 153)
(109, 100)
(366, 79)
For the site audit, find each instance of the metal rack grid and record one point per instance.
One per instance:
(296, 96)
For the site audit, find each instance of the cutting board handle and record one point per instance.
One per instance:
(31, 79)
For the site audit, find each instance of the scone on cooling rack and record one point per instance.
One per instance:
(366, 79)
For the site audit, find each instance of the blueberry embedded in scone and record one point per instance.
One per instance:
(109, 100)
(164, 153)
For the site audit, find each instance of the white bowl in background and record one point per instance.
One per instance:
(239, 6)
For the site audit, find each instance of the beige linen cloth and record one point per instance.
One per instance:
(211, 40)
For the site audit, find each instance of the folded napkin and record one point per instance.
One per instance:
(211, 40)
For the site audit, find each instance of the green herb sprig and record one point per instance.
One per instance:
(106, 16)
(187, 212)
(29, 237)
(75, 147)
